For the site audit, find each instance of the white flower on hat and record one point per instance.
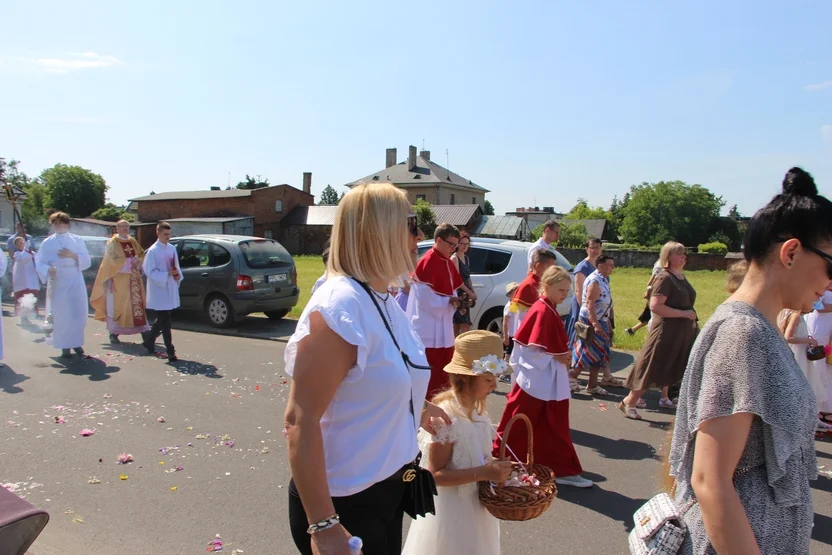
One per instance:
(489, 363)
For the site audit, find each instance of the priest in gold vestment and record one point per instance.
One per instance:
(118, 293)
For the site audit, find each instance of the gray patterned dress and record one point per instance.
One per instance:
(741, 363)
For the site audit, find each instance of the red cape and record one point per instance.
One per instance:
(527, 292)
(542, 327)
(439, 272)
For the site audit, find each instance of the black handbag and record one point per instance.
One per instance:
(420, 487)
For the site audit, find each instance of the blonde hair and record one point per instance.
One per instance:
(669, 248)
(461, 386)
(370, 235)
(552, 275)
(736, 273)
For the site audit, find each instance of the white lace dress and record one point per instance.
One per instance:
(461, 524)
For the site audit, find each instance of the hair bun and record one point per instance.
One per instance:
(799, 182)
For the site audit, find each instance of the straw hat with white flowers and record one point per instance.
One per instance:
(477, 352)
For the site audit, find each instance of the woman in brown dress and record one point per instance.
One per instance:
(662, 360)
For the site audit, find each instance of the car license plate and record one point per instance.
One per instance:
(276, 278)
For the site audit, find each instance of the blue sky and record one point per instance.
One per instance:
(540, 102)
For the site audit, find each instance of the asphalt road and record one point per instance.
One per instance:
(217, 464)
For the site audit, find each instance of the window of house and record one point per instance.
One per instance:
(453, 198)
(421, 197)
(278, 206)
(473, 200)
(268, 234)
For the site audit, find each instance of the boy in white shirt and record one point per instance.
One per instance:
(161, 266)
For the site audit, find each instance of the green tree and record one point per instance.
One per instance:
(572, 236)
(582, 211)
(488, 208)
(665, 211)
(734, 213)
(256, 182)
(112, 213)
(425, 217)
(329, 197)
(74, 190)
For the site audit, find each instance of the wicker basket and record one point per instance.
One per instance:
(520, 503)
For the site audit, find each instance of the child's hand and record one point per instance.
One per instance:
(498, 471)
(812, 342)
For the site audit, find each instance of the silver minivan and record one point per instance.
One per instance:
(229, 276)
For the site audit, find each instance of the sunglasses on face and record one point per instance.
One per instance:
(823, 255)
(413, 225)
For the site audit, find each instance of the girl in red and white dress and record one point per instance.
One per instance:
(541, 391)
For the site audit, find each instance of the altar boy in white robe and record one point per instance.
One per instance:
(161, 266)
(60, 261)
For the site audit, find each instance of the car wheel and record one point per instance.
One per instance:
(492, 321)
(219, 311)
(276, 314)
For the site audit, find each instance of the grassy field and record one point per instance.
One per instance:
(310, 269)
(627, 287)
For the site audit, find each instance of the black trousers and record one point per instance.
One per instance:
(161, 327)
(374, 515)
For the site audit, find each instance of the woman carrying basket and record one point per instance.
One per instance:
(460, 455)
(541, 391)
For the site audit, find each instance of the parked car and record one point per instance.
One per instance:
(229, 276)
(95, 246)
(494, 263)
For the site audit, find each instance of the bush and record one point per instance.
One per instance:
(713, 248)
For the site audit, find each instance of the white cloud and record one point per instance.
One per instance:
(818, 86)
(826, 132)
(73, 62)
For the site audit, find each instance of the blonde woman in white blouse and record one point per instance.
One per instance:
(354, 405)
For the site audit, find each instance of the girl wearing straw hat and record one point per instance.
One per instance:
(541, 390)
(459, 455)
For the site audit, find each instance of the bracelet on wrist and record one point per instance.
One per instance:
(324, 524)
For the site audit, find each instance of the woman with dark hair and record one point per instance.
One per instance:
(743, 448)
(462, 316)
(592, 352)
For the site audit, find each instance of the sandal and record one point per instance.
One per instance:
(597, 390)
(629, 412)
(611, 381)
(574, 386)
(641, 403)
(666, 403)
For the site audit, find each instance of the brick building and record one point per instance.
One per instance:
(422, 178)
(269, 205)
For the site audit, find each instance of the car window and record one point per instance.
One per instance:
(264, 253)
(477, 260)
(221, 256)
(95, 248)
(194, 254)
(496, 262)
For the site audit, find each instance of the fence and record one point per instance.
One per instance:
(646, 259)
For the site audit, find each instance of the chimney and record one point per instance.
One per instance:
(391, 157)
(307, 182)
(425, 154)
(411, 158)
